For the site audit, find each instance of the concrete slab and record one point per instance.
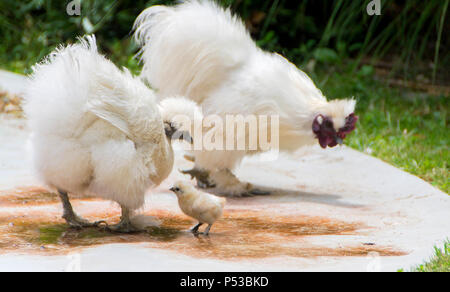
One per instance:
(12, 82)
(330, 210)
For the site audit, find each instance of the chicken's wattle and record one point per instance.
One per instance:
(326, 134)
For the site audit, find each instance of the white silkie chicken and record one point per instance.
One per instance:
(204, 207)
(98, 131)
(200, 50)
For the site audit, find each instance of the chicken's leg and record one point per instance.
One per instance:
(196, 227)
(207, 229)
(69, 215)
(125, 225)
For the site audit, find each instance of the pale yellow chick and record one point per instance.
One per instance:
(204, 207)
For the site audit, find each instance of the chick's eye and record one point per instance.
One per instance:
(177, 189)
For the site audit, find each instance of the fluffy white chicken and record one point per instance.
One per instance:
(200, 50)
(204, 207)
(98, 131)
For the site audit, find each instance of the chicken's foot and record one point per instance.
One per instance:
(227, 184)
(125, 225)
(72, 219)
(196, 227)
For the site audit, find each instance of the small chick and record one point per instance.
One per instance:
(204, 207)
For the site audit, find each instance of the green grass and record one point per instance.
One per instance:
(439, 262)
(405, 128)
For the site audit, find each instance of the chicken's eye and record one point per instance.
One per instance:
(177, 189)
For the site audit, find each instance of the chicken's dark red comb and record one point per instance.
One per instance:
(350, 125)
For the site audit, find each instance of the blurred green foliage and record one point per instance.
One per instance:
(32, 29)
(408, 33)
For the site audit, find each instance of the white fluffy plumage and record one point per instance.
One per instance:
(97, 130)
(204, 207)
(200, 50)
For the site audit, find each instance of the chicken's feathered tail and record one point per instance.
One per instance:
(58, 89)
(77, 79)
(182, 55)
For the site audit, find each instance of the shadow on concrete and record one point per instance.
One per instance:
(288, 196)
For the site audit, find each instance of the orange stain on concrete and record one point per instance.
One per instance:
(239, 234)
(32, 196)
(21, 196)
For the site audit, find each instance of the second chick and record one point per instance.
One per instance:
(204, 207)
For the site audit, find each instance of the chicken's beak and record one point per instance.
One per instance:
(339, 140)
(187, 137)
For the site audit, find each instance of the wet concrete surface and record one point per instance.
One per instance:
(12, 82)
(328, 210)
(239, 234)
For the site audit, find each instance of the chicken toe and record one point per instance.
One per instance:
(122, 227)
(125, 225)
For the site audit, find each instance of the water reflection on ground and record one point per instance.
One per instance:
(27, 225)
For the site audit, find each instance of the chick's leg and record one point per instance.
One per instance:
(196, 227)
(125, 225)
(207, 229)
(69, 215)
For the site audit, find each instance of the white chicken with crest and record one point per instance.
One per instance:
(200, 50)
(98, 131)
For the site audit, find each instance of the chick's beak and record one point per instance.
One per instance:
(172, 189)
